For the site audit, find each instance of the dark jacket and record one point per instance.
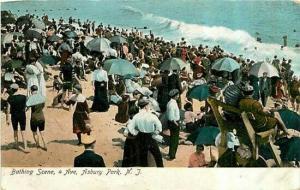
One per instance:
(265, 86)
(89, 159)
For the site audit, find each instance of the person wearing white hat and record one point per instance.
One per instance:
(16, 108)
(88, 158)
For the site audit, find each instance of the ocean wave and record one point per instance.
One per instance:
(236, 41)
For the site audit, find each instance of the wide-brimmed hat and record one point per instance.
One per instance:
(173, 92)
(87, 139)
(143, 102)
(14, 86)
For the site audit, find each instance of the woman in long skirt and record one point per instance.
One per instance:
(100, 83)
(81, 119)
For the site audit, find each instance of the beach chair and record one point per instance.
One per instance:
(245, 131)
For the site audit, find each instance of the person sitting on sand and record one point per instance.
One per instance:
(197, 159)
(89, 158)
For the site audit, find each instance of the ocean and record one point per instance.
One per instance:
(232, 24)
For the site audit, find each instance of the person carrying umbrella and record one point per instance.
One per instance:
(37, 122)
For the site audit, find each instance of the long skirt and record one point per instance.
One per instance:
(101, 103)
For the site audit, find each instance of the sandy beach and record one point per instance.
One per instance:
(62, 147)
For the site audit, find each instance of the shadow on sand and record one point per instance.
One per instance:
(71, 142)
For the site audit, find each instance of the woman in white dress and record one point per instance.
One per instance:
(41, 79)
(31, 73)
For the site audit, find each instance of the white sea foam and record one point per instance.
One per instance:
(236, 41)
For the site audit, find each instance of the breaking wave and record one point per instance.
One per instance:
(238, 42)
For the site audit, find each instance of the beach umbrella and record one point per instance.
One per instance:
(289, 149)
(290, 118)
(120, 67)
(53, 38)
(48, 60)
(65, 47)
(172, 64)
(118, 39)
(87, 40)
(259, 68)
(38, 24)
(98, 45)
(7, 38)
(7, 18)
(204, 135)
(70, 34)
(226, 64)
(33, 33)
(23, 20)
(35, 99)
(200, 92)
(13, 63)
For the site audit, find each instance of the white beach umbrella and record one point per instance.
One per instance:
(261, 67)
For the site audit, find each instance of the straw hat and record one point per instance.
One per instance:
(87, 139)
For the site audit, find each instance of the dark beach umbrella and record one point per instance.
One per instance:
(7, 18)
(290, 118)
(23, 20)
(120, 67)
(65, 47)
(289, 149)
(226, 64)
(70, 34)
(38, 24)
(204, 135)
(48, 60)
(118, 39)
(14, 63)
(53, 38)
(33, 33)
(200, 92)
(172, 64)
(98, 45)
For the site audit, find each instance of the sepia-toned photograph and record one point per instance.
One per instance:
(149, 83)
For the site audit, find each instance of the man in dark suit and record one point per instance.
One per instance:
(264, 88)
(88, 158)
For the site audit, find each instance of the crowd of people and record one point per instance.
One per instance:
(148, 104)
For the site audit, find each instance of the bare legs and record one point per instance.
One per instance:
(36, 139)
(24, 141)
